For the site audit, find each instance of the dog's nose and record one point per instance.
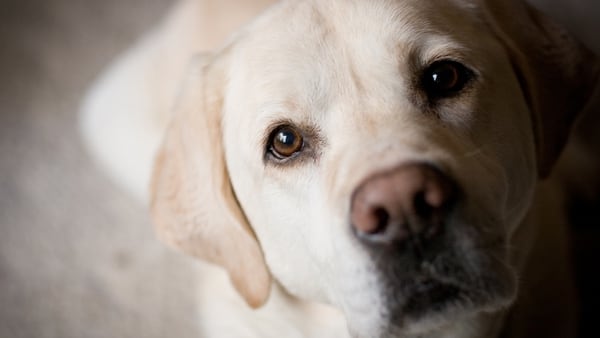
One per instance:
(410, 202)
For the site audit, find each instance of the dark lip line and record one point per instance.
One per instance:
(404, 314)
(424, 283)
(433, 282)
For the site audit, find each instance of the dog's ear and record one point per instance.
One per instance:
(193, 203)
(556, 72)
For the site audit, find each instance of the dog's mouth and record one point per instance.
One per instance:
(427, 304)
(430, 295)
(454, 284)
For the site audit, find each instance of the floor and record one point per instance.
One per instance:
(77, 256)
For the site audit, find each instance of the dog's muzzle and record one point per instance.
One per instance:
(430, 253)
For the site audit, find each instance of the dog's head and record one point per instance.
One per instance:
(373, 155)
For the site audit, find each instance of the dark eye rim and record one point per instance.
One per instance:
(465, 73)
(273, 154)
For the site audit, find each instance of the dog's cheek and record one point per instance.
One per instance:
(283, 204)
(310, 251)
(513, 140)
(286, 214)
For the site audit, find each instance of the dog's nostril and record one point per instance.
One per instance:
(422, 206)
(369, 220)
(382, 218)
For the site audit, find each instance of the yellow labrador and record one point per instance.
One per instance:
(358, 168)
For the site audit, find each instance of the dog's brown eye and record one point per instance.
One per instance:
(445, 78)
(285, 141)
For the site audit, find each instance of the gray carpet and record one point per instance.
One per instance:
(77, 256)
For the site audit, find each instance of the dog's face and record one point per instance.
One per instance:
(382, 153)
(313, 118)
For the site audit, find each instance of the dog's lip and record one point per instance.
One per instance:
(423, 296)
(430, 293)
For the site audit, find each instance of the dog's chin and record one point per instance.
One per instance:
(436, 304)
(423, 297)
(427, 306)
(429, 302)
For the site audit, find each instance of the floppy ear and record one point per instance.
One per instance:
(193, 203)
(556, 72)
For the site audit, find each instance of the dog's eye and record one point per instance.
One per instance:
(285, 141)
(445, 78)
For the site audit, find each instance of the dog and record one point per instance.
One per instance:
(355, 168)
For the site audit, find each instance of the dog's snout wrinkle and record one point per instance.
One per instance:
(407, 204)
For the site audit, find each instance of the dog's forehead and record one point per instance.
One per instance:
(303, 60)
(305, 54)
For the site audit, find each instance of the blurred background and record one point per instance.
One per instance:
(78, 257)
